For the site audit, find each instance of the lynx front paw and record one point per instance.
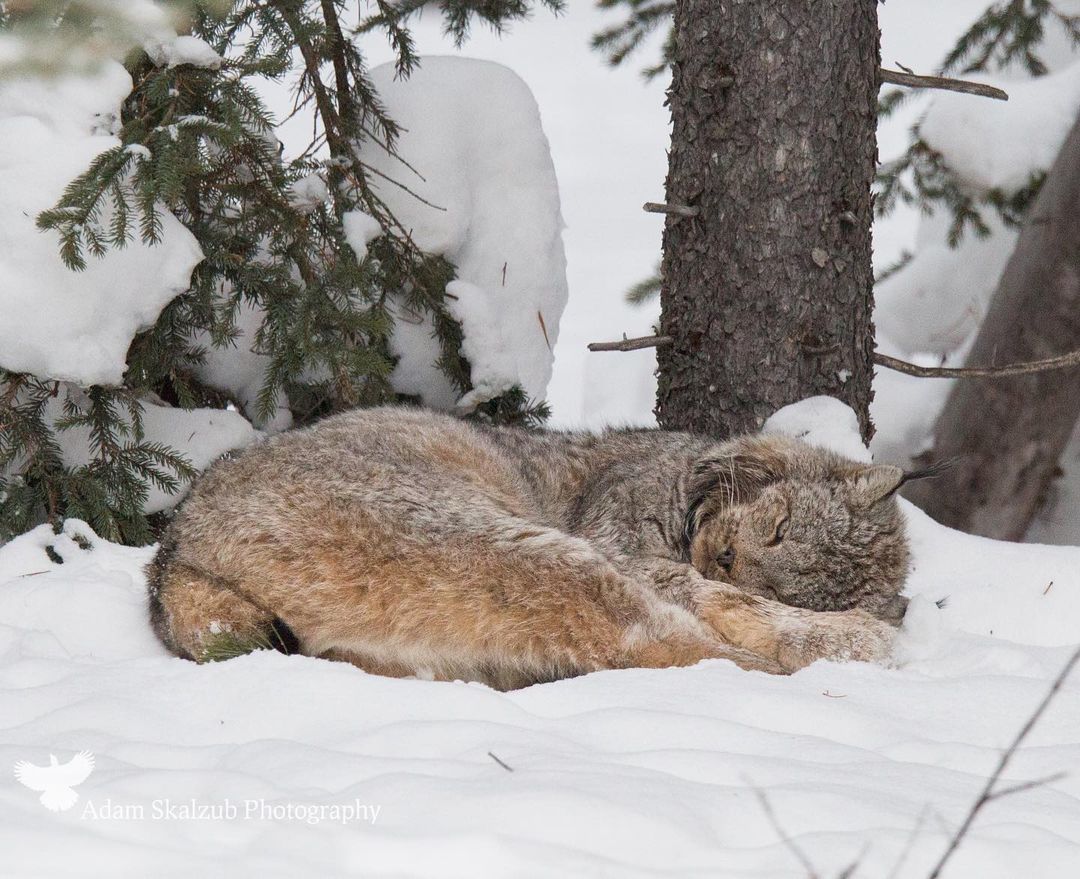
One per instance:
(849, 636)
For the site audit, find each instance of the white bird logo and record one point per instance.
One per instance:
(56, 779)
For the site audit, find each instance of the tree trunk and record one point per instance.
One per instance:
(1006, 436)
(768, 290)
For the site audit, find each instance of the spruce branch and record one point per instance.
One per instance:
(1007, 33)
(200, 143)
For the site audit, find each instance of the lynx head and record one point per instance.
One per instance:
(785, 520)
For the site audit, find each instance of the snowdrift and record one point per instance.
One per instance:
(333, 772)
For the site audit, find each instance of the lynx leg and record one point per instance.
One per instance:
(513, 606)
(490, 597)
(199, 617)
(791, 636)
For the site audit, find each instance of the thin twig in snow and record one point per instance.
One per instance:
(789, 843)
(988, 793)
(910, 844)
(1026, 785)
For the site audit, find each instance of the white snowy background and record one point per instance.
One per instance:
(615, 774)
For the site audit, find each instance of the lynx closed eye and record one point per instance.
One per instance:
(779, 532)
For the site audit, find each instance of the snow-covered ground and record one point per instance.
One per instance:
(289, 766)
(277, 765)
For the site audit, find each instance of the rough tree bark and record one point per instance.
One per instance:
(1005, 436)
(767, 291)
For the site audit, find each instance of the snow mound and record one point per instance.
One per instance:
(56, 323)
(486, 167)
(296, 766)
(935, 304)
(1002, 144)
(240, 370)
(821, 421)
(490, 204)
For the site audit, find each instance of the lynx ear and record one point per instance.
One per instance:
(874, 484)
(733, 473)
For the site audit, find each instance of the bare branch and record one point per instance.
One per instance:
(679, 210)
(1027, 785)
(1063, 361)
(788, 842)
(632, 344)
(910, 844)
(895, 77)
(988, 793)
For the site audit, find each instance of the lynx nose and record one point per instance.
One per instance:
(726, 559)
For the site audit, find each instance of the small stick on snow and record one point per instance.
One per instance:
(505, 766)
(1048, 585)
(543, 326)
(988, 793)
(679, 210)
(625, 344)
(1027, 785)
(912, 80)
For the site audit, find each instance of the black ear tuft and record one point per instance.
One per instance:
(929, 472)
(873, 484)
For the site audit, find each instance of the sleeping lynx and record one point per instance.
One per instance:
(412, 543)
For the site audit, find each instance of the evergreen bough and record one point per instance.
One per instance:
(199, 142)
(1007, 33)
